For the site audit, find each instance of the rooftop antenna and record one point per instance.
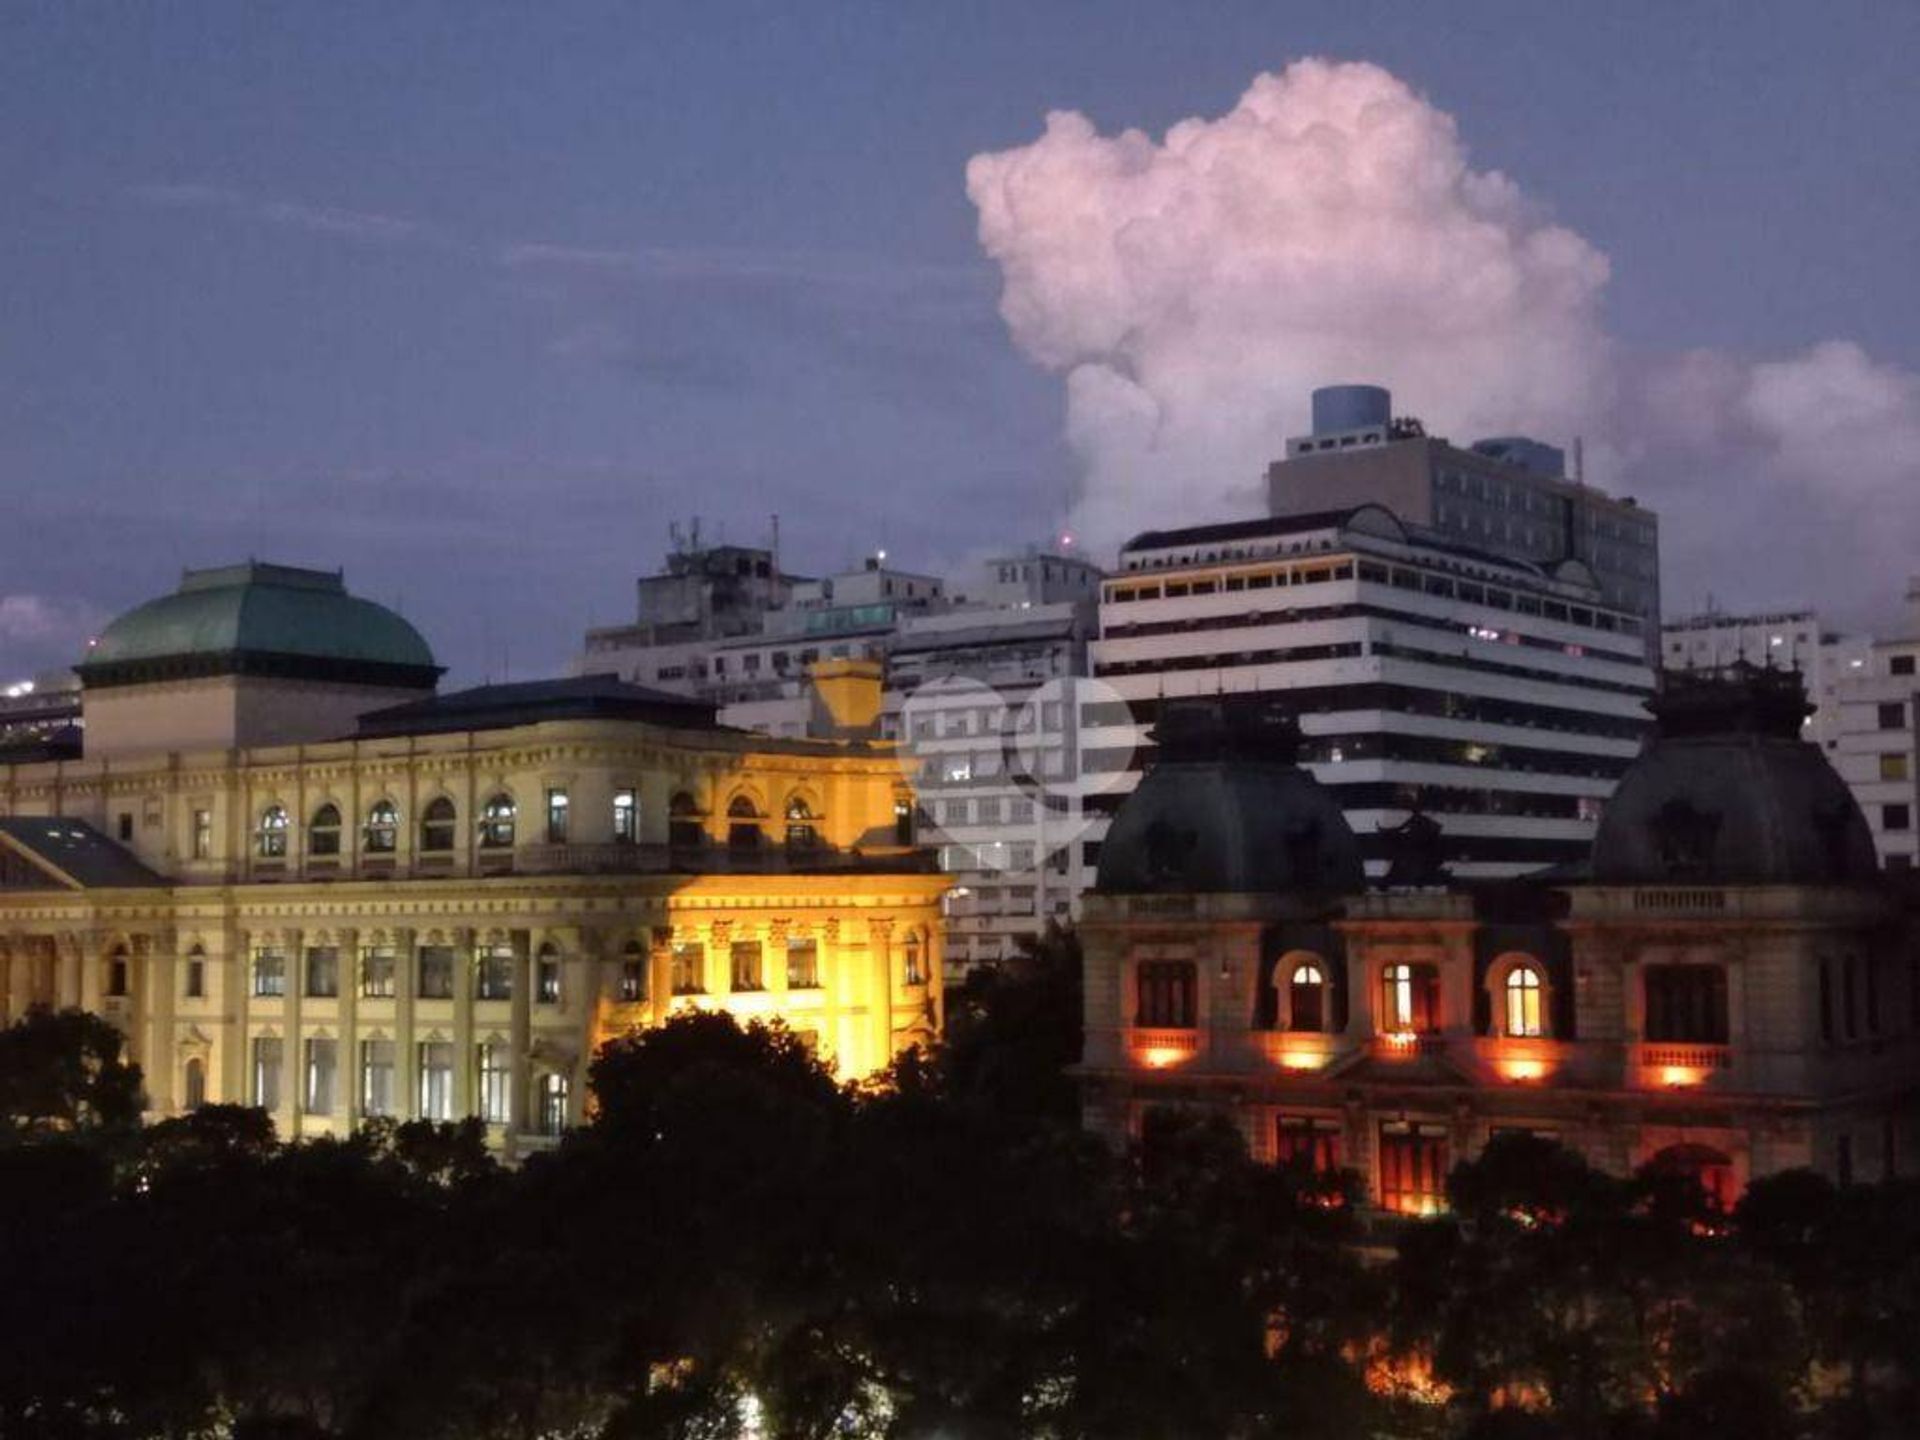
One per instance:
(1579, 460)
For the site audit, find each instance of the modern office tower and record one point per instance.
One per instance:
(1876, 744)
(1785, 640)
(1499, 697)
(1510, 495)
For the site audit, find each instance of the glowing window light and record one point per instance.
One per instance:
(1159, 1057)
(1524, 1071)
(1679, 1077)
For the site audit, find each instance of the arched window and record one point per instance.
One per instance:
(1307, 997)
(743, 824)
(546, 974)
(684, 830)
(196, 976)
(552, 1103)
(271, 840)
(1526, 1014)
(800, 832)
(437, 825)
(496, 823)
(383, 826)
(193, 1088)
(323, 835)
(117, 976)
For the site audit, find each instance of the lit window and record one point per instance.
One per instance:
(626, 817)
(633, 973)
(267, 1053)
(193, 1091)
(556, 817)
(493, 978)
(383, 827)
(321, 1060)
(1306, 998)
(803, 964)
(553, 1099)
(913, 964)
(547, 975)
(271, 841)
(436, 1080)
(496, 1083)
(1413, 1168)
(1410, 999)
(436, 972)
(270, 973)
(1524, 1015)
(376, 1077)
(746, 965)
(800, 832)
(202, 834)
(323, 835)
(496, 823)
(378, 969)
(323, 972)
(1893, 767)
(1307, 1143)
(196, 978)
(689, 960)
(117, 976)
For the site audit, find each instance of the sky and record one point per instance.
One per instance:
(474, 300)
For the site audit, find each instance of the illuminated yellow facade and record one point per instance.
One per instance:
(445, 914)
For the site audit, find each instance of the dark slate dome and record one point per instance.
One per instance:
(1224, 809)
(1727, 793)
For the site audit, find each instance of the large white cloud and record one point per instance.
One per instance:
(1193, 291)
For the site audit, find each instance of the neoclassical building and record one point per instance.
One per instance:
(298, 877)
(1727, 986)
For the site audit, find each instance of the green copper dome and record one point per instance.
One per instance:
(260, 619)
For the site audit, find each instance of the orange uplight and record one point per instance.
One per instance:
(1159, 1057)
(1679, 1077)
(1302, 1059)
(1401, 1039)
(1524, 1071)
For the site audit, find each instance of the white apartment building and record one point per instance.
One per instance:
(1501, 697)
(1875, 747)
(1785, 639)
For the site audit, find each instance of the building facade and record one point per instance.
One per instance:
(444, 911)
(1729, 987)
(1502, 699)
(1509, 495)
(1875, 740)
(1788, 639)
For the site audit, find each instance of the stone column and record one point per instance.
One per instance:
(70, 988)
(235, 976)
(520, 1031)
(466, 976)
(156, 989)
(293, 1079)
(16, 960)
(346, 1048)
(880, 969)
(660, 974)
(406, 1079)
(86, 962)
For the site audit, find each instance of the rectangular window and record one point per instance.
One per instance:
(493, 980)
(196, 984)
(547, 978)
(436, 1080)
(626, 817)
(1893, 716)
(378, 968)
(1896, 817)
(1413, 1168)
(803, 965)
(321, 1061)
(323, 972)
(270, 973)
(203, 834)
(495, 1084)
(436, 972)
(1308, 1143)
(126, 826)
(556, 817)
(1410, 1000)
(1686, 1004)
(267, 1051)
(376, 1077)
(1900, 665)
(1894, 766)
(746, 965)
(633, 979)
(1167, 995)
(689, 960)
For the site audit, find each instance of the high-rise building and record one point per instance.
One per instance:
(1501, 697)
(1876, 741)
(1510, 495)
(1786, 639)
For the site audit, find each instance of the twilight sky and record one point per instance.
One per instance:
(474, 299)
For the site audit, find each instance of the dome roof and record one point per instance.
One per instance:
(260, 619)
(1224, 810)
(1727, 793)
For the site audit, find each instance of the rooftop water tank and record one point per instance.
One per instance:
(1338, 408)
